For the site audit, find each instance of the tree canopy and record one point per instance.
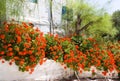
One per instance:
(11, 8)
(116, 22)
(90, 19)
(116, 19)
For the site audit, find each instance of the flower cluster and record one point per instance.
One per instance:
(79, 53)
(21, 44)
(26, 47)
(104, 56)
(60, 49)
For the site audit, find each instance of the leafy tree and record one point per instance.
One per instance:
(103, 27)
(11, 8)
(116, 19)
(2, 9)
(116, 22)
(87, 18)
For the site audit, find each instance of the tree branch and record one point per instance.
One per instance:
(78, 23)
(86, 26)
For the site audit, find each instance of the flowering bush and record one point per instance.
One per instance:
(26, 47)
(60, 49)
(115, 48)
(104, 56)
(22, 44)
(79, 53)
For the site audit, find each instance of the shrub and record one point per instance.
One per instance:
(22, 44)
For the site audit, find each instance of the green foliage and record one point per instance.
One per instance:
(2, 10)
(116, 22)
(3, 7)
(103, 27)
(116, 19)
(83, 43)
(77, 40)
(92, 20)
(68, 15)
(51, 42)
(11, 8)
(58, 48)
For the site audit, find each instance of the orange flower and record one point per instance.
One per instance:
(32, 58)
(56, 57)
(26, 45)
(104, 73)
(41, 62)
(20, 53)
(37, 30)
(0, 57)
(76, 46)
(17, 48)
(91, 50)
(2, 52)
(6, 28)
(27, 68)
(9, 45)
(10, 49)
(16, 58)
(31, 71)
(19, 39)
(10, 54)
(5, 46)
(2, 36)
(30, 52)
(28, 38)
(17, 31)
(21, 63)
(32, 66)
(25, 25)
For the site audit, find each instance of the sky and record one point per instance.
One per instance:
(109, 5)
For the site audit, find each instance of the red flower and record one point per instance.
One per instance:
(9, 49)
(9, 45)
(104, 73)
(10, 54)
(10, 63)
(2, 52)
(25, 25)
(21, 63)
(19, 39)
(2, 36)
(3, 61)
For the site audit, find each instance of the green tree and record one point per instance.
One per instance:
(103, 27)
(116, 22)
(11, 8)
(87, 18)
(2, 10)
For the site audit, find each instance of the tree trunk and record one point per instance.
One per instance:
(78, 27)
(78, 24)
(51, 17)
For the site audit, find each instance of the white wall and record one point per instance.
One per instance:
(39, 13)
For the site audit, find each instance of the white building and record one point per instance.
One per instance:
(38, 12)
